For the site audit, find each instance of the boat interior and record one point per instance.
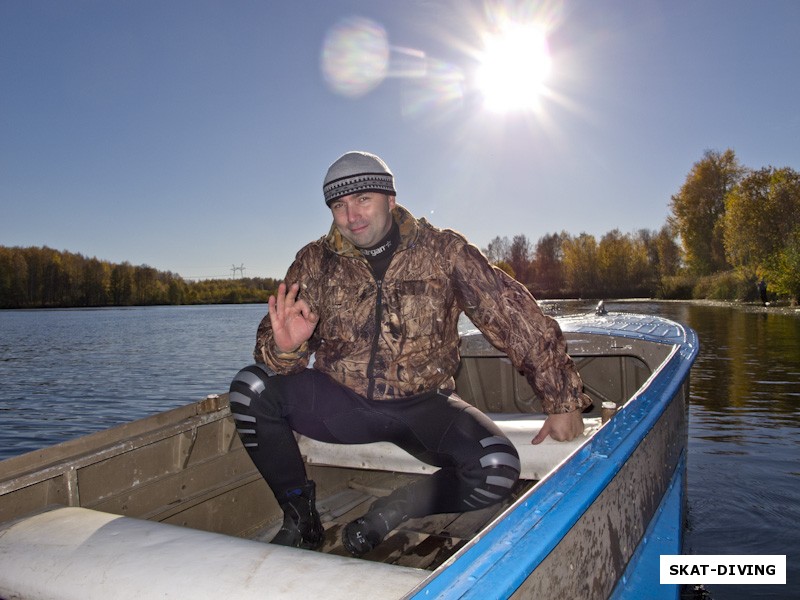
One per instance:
(488, 380)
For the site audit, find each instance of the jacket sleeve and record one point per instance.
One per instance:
(265, 351)
(508, 315)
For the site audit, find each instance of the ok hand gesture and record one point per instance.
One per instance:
(292, 320)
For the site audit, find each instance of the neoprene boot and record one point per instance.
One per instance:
(301, 527)
(363, 534)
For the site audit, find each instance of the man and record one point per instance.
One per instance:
(377, 303)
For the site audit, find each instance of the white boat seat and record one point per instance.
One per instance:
(76, 553)
(536, 461)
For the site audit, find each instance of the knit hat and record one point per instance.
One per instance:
(357, 172)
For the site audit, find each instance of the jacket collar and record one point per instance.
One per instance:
(409, 231)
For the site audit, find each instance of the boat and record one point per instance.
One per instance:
(170, 506)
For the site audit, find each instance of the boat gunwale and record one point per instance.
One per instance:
(34, 465)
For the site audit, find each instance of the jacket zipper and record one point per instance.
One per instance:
(378, 316)
(375, 340)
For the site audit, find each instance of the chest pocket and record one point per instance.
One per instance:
(349, 311)
(417, 308)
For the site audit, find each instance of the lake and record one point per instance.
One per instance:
(64, 373)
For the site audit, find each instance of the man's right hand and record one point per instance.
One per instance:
(293, 321)
(562, 427)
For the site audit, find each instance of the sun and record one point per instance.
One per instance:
(514, 67)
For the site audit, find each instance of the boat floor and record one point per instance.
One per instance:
(423, 543)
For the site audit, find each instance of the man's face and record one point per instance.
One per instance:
(363, 218)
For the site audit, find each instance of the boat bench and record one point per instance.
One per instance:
(73, 552)
(536, 460)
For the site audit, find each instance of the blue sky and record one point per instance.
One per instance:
(194, 135)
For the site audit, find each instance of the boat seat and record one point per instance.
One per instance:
(536, 460)
(73, 552)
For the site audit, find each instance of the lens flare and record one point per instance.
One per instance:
(355, 56)
(514, 67)
(439, 91)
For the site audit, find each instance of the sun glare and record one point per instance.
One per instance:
(513, 68)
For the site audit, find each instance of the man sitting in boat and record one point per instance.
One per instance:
(376, 302)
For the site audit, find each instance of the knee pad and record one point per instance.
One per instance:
(489, 465)
(245, 398)
(498, 473)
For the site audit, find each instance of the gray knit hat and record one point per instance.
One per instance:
(357, 172)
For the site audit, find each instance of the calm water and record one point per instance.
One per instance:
(64, 373)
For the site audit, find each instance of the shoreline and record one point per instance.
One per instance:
(747, 306)
(786, 309)
(753, 307)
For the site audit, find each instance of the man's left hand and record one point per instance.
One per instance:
(561, 427)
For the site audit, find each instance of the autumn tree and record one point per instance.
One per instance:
(761, 214)
(498, 250)
(783, 269)
(95, 283)
(698, 210)
(580, 264)
(548, 265)
(514, 257)
(13, 277)
(121, 284)
(520, 255)
(614, 258)
(762, 225)
(662, 254)
(667, 251)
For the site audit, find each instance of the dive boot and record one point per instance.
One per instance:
(363, 534)
(301, 527)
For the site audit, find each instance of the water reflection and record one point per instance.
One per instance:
(748, 360)
(744, 438)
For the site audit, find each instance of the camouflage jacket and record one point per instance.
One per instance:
(399, 337)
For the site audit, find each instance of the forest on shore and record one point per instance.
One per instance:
(46, 278)
(730, 229)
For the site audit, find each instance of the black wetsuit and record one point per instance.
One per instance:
(479, 464)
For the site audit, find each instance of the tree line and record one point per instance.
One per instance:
(561, 265)
(45, 278)
(730, 229)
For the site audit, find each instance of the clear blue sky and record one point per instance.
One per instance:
(193, 135)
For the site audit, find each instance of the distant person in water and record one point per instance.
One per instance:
(762, 292)
(377, 302)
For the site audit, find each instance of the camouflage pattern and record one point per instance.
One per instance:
(434, 275)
